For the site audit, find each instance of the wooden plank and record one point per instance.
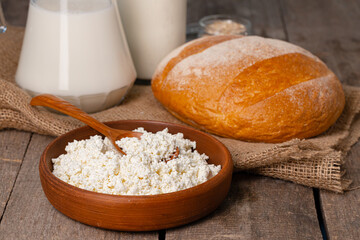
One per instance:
(257, 207)
(342, 212)
(13, 145)
(29, 215)
(329, 29)
(199, 8)
(266, 18)
(15, 11)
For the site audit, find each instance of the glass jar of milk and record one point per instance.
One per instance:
(76, 49)
(153, 29)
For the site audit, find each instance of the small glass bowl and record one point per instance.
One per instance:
(224, 25)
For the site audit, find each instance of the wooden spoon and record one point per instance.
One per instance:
(65, 107)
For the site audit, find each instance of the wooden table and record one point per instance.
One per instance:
(257, 207)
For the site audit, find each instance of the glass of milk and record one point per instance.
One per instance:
(153, 29)
(76, 49)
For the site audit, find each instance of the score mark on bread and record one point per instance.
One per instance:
(249, 88)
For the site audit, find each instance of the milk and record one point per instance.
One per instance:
(153, 29)
(79, 53)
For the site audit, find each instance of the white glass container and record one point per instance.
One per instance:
(76, 49)
(153, 29)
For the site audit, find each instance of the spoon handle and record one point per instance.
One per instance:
(65, 107)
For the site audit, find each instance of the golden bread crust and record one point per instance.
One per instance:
(249, 88)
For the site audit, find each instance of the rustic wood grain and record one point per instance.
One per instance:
(257, 207)
(29, 215)
(342, 212)
(330, 30)
(15, 11)
(13, 145)
(200, 8)
(266, 18)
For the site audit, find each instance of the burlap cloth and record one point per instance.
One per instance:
(315, 162)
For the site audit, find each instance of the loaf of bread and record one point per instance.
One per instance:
(249, 88)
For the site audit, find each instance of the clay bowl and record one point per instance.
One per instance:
(138, 213)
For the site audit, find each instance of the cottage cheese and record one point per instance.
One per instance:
(94, 164)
